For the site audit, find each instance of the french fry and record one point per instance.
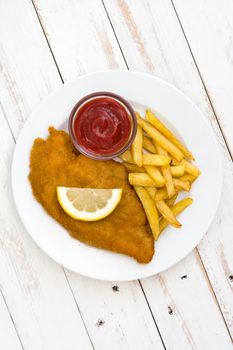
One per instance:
(140, 179)
(167, 213)
(162, 194)
(160, 138)
(171, 201)
(150, 210)
(166, 168)
(185, 185)
(137, 147)
(174, 162)
(177, 170)
(127, 156)
(148, 144)
(188, 177)
(151, 191)
(133, 168)
(176, 209)
(155, 174)
(166, 132)
(190, 168)
(166, 173)
(168, 179)
(155, 159)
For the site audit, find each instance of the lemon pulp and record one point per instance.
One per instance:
(88, 204)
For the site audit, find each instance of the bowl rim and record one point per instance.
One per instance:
(94, 95)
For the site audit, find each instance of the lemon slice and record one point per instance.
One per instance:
(88, 204)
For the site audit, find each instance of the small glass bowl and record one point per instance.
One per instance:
(86, 99)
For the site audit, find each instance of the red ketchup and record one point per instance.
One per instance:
(102, 126)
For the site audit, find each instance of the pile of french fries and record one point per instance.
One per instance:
(159, 167)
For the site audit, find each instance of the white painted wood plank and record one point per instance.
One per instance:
(143, 322)
(27, 70)
(34, 287)
(187, 315)
(29, 261)
(80, 36)
(211, 44)
(116, 314)
(152, 41)
(8, 335)
(193, 324)
(93, 286)
(209, 29)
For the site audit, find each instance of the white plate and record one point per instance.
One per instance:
(181, 115)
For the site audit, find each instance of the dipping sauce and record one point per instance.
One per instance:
(102, 126)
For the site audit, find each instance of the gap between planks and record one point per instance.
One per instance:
(114, 32)
(209, 99)
(3, 297)
(224, 138)
(61, 77)
(77, 306)
(141, 286)
(63, 269)
(7, 121)
(202, 80)
(152, 315)
(47, 41)
(221, 131)
(128, 68)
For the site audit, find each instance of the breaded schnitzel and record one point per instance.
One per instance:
(54, 162)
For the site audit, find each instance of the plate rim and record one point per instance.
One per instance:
(131, 72)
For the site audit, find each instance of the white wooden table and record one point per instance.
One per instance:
(46, 42)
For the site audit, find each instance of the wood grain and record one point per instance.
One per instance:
(26, 75)
(116, 314)
(134, 53)
(123, 334)
(211, 43)
(81, 40)
(180, 312)
(165, 44)
(9, 337)
(80, 36)
(34, 287)
(38, 282)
